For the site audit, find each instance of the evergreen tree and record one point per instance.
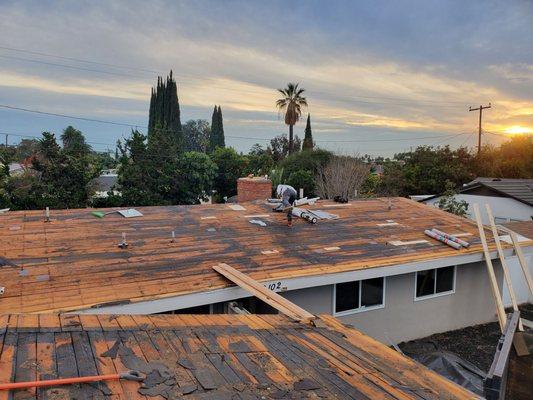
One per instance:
(216, 138)
(164, 124)
(308, 139)
(221, 140)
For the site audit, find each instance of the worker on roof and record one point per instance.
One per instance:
(287, 194)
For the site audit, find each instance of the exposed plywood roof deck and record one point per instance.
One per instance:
(210, 357)
(73, 262)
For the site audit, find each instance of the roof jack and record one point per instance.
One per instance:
(123, 244)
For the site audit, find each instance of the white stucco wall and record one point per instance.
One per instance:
(404, 318)
(502, 207)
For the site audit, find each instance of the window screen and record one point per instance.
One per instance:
(372, 292)
(346, 296)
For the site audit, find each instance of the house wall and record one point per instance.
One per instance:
(502, 207)
(402, 318)
(520, 288)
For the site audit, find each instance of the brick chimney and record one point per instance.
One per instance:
(253, 188)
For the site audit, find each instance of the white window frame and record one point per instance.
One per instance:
(435, 294)
(361, 308)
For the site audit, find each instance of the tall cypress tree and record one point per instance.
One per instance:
(308, 139)
(164, 125)
(214, 130)
(220, 136)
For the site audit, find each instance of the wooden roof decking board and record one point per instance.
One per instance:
(73, 262)
(212, 356)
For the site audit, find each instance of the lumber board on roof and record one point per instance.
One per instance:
(221, 356)
(268, 296)
(86, 268)
(500, 311)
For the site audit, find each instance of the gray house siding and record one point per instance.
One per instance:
(402, 318)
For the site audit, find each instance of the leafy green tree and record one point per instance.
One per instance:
(260, 161)
(449, 203)
(231, 166)
(303, 179)
(74, 142)
(279, 147)
(197, 173)
(64, 178)
(196, 135)
(147, 179)
(513, 159)
(306, 160)
(291, 104)
(308, 138)
(164, 124)
(426, 169)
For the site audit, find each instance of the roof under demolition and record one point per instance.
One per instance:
(73, 262)
(209, 357)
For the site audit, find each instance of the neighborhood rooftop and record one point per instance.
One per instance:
(210, 357)
(73, 262)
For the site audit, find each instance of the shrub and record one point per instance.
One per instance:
(303, 179)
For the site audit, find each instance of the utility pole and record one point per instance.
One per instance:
(6, 139)
(480, 108)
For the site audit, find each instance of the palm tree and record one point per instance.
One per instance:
(291, 104)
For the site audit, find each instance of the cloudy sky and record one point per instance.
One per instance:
(380, 76)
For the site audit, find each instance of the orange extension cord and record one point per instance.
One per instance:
(130, 375)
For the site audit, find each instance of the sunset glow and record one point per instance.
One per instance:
(518, 130)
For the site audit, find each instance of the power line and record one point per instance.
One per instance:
(394, 100)
(137, 126)
(77, 59)
(70, 66)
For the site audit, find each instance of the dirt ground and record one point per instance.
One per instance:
(476, 344)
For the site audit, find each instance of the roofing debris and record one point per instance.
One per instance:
(87, 269)
(210, 357)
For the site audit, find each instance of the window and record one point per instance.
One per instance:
(435, 282)
(350, 297)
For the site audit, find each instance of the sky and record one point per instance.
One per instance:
(381, 77)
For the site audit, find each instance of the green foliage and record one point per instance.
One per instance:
(306, 160)
(74, 142)
(291, 104)
(513, 159)
(59, 178)
(426, 169)
(230, 167)
(164, 124)
(276, 176)
(450, 204)
(149, 179)
(196, 134)
(216, 138)
(279, 147)
(260, 161)
(303, 179)
(25, 149)
(370, 186)
(308, 138)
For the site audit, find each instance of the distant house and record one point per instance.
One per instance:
(105, 182)
(509, 199)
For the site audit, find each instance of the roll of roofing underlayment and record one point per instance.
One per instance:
(442, 239)
(451, 237)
